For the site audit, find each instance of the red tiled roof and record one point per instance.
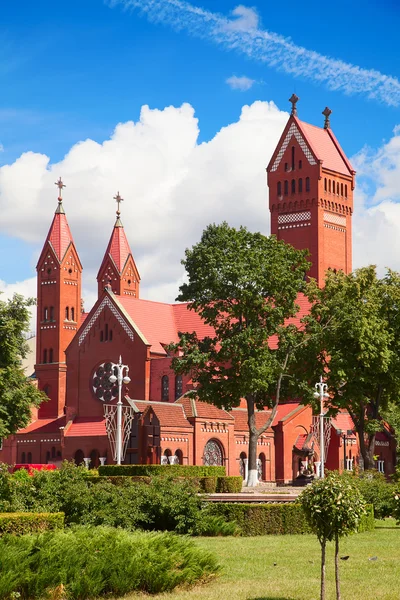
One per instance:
(344, 422)
(189, 321)
(326, 148)
(300, 441)
(87, 426)
(44, 426)
(118, 247)
(169, 415)
(59, 235)
(240, 416)
(203, 410)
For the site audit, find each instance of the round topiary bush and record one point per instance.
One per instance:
(87, 562)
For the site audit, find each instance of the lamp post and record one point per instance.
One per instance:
(321, 393)
(120, 378)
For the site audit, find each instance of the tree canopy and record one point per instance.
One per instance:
(17, 393)
(354, 339)
(244, 285)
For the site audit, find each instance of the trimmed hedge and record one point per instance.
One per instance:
(229, 485)
(152, 470)
(23, 523)
(119, 479)
(208, 485)
(273, 519)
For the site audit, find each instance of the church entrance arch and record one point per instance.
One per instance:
(213, 455)
(79, 456)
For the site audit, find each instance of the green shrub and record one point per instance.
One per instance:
(208, 485)
(229, 485)
(119, 479)
(152, 470)
(22, 523)
(367, 521)
(83, 562)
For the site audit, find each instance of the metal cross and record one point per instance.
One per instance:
(60, 186)
(294, 99)
(118, 200)
(327, 113)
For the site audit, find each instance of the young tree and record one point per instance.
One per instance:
(359, 350)
(245, 286)
(17, 394)
(333, 508)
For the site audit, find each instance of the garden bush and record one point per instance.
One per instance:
(229, 485)
(375, 490)
(22, 523)
(208, 485)
(88, 562)
(152, 470)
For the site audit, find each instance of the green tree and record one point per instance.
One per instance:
(353, 338)
(17, 393)
(333, 508)
(244, 285)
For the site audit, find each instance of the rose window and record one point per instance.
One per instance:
(213, 454)
(102, 387)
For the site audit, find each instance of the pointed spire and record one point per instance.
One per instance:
(327, 113)
(118, 200)
(294, 100)
(60, 185)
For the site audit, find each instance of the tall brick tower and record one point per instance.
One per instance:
(59, 273)
(311, 185)
(118, 267)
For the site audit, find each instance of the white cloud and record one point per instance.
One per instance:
(172, 187)
(243, 34)
(240, 83)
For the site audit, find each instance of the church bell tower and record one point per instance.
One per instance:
(59, 273)
(311, 184)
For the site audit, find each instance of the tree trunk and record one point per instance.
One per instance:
(252, 476)
(323, 548)
(337, 580)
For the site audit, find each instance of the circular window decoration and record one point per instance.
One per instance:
(213, 454)
(102, 387)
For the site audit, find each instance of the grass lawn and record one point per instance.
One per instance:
(250, 573)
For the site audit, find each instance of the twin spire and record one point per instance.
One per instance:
(326, 112)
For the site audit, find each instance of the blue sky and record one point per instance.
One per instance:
(72, 70)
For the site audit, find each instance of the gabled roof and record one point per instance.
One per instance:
(203, 410)
(344, 422)
(59, 236)
(118, 248)
(87, 427)
(240, 416)
(168, 415)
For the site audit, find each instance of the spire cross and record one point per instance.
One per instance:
(118, 200)
(294, 100)
(327, 113)
(60, 186)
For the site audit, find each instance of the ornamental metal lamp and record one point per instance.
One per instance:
(120, 378)
(321, 393)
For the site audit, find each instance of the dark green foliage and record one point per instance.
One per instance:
(375, 490)
(229, 485)
(22, 523)
(367, 521)
(118, 479)
(83, 563)
(152, 470)
(208, 485)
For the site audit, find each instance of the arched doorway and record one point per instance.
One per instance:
(79, 456)
(165, 459)
(261, 467)
(213, 454)
(179, 457)
(94, 459)
(243, 465)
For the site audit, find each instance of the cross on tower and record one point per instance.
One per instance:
(118, 200)
(60, 186)
(294, 100)
(327, 113)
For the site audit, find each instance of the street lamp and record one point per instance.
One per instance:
(321, 393)
(345, 435)
(120, 378)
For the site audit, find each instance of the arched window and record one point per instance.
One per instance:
(300, 164)
(78, 458)
(72, 313)
(67, 313)
(213, 454)
(341, 189)
(51, 355)
(242, 464)
(165, 388)
(293, 186)
(165, 459)
(279, 188)
(329, 185)
(325, 185)
(29, 458)
(261, 467)
(293, 158)
(286, 167)
(51, 313)
(45, 356)
(286, 187)
(46, 313)
(23, 458)
(179, 457)
(94, 459)
(307, 184)
(333, 187)
(300, 185)
(178, 386)
(345, 190)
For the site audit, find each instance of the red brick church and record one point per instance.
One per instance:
(311, 184)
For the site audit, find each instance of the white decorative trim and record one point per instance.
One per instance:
(334, 218)
(295, 225)
(106, 302)
(293, 217)
(293, 131)
(334, 227)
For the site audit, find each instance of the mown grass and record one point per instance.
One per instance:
(287, 568)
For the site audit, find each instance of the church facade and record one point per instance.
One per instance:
(311, 184)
